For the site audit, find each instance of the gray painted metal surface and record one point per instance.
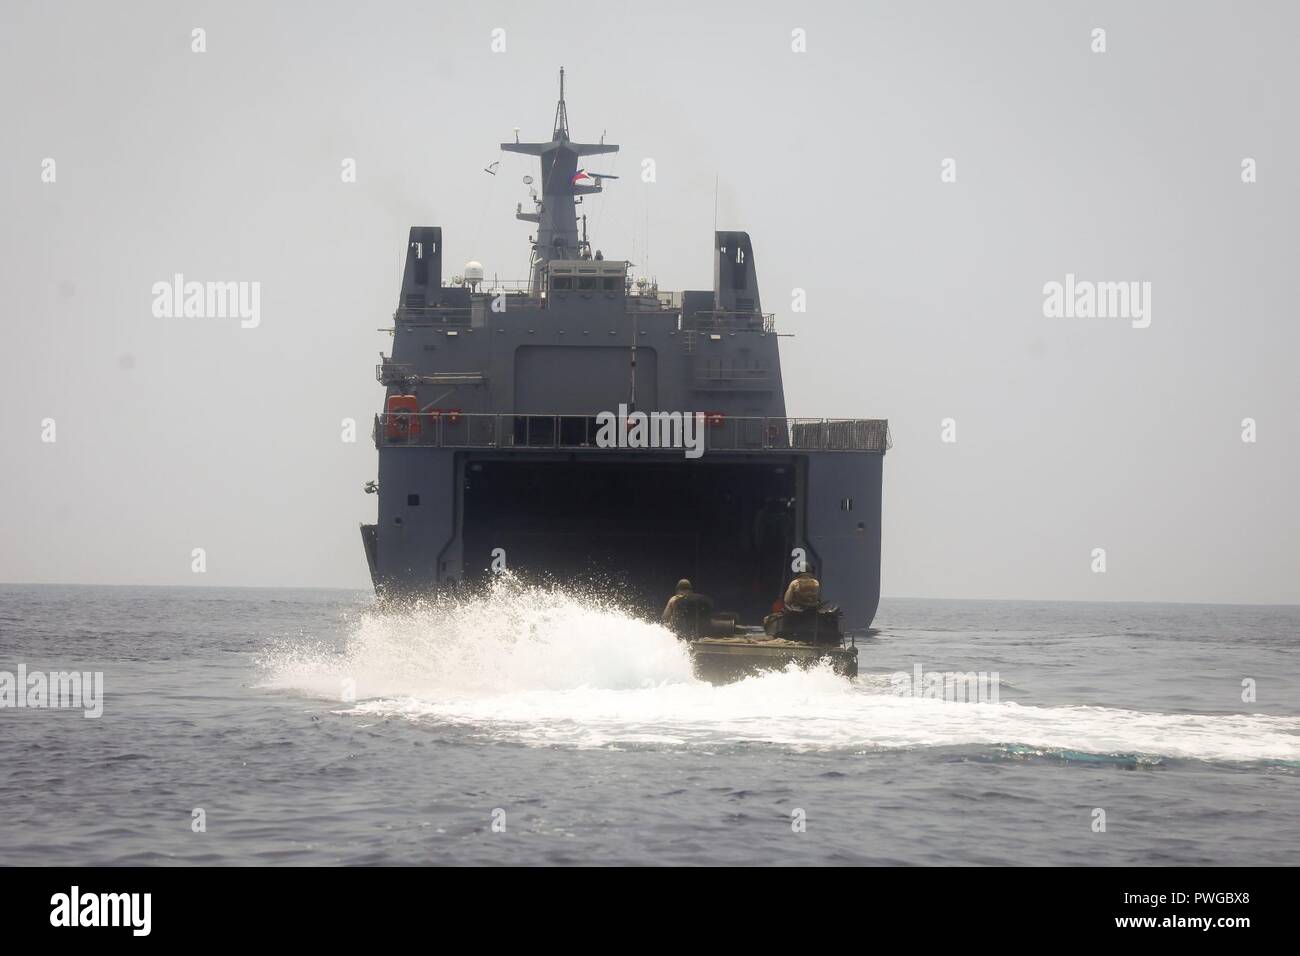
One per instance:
(479, 375)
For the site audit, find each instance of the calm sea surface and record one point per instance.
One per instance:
(311, 729)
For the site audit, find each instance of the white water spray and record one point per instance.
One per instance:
(538, 666)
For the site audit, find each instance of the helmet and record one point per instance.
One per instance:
(684, 585)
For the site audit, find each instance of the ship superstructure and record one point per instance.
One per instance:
(505, 434)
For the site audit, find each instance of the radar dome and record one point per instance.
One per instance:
(473, 271)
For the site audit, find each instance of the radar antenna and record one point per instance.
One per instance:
(563, 183)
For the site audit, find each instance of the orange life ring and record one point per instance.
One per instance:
(402, 422)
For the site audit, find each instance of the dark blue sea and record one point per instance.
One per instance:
(263, 726)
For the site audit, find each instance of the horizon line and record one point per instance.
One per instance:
(883, 597)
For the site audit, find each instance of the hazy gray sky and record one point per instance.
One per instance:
(925, 298)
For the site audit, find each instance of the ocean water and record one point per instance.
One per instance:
(307, 727)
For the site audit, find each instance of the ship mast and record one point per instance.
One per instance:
(555, 213)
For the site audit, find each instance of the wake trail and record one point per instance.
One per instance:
(541, 666)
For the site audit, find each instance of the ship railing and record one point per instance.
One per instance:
(505, 285)
(518, 301)
(652, 302)
(839, 434)
(400, 373)
(728, 321)
(450, 429)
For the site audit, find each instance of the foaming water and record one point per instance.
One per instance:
(588, 728)
(514, 639)
(537, 666)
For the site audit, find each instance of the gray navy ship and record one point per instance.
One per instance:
(515, 420)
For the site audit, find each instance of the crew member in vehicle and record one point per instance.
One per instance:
(803, 615)
(687, 612)
(804, 592)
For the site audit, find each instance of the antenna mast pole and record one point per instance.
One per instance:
(556, 214)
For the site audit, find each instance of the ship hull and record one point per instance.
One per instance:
(628, 525)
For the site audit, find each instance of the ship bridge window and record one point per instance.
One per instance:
(561, 283)
(586, 283)
(611, 283)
